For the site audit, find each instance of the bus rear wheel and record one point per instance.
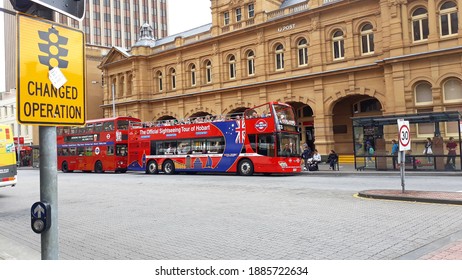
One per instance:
(65, 167)
(245, 167)
(152, 167)
(169, 167)
(99, 167)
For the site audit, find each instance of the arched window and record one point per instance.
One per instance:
(279, 57)
(120, 92)
(173, 79)
(192, 70)
(302, 47)
(338, 47)
(424, 101)
(420, 25)
(367, 39)
(160, 80)
(452, 90)
(423, 93)
(129, 85)
(208, 71)
(448, 19)
(250, 63)
(232, 67)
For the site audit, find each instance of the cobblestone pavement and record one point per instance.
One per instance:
(135, 216)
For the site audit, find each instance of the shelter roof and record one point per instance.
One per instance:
(430, 117)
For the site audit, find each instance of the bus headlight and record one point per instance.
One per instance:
(283, 164)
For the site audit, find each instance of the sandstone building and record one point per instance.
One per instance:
(331, 60)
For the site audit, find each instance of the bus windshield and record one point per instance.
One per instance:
(288, 145)
(285, 114)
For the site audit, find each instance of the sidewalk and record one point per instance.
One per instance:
(347, 169)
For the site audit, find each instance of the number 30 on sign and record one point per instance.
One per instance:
(404, 135)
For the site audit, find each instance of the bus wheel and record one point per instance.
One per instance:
(245, 167)
(152, 168)
(169, 167)
(99, 167)
(65, 167)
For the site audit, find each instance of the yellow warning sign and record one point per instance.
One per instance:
(51, 73)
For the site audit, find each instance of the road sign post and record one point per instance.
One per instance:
(404, 145)
(51, 91)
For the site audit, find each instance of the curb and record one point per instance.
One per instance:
(453, 198)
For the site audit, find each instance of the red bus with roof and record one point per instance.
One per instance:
(263, 139)
(99, 146)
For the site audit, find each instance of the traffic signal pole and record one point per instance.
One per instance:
(44, 214)
(49, 190)
(49, 179)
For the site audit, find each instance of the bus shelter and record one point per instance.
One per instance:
(437, 128)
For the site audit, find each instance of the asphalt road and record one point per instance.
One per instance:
(160, 217)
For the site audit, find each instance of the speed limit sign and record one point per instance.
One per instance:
(404, 135)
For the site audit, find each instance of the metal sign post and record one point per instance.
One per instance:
(51, 91)
(49, 190)
(402, 169)
(404, 145)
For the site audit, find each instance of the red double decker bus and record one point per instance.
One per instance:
(263, 139)
(100, 145)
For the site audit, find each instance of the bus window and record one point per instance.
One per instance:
(108, 126)
(184, 147)
(72, 151)
(159, 148)
(266, 145)
(88, 151)
(121, 150)
(215, 145)
(89, 127)
(110, 150)
(285, 114)
(253, 141)
(74, 130)
(122, 124)
(153, 147)
(80, 151)
(59, 130)
(169, 147)
(66, 130)
(199, 146)
(98, 127)
(288, 145)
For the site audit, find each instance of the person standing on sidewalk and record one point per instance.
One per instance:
(306, 154)
(428, 150)
(332, 159)
(451, 146)
(394, 152)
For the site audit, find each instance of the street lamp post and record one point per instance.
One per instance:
(113, 100)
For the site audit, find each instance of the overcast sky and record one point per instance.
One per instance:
(187, 14)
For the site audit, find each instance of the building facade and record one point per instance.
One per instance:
(331, 60)
(116, 22)
(107, 23)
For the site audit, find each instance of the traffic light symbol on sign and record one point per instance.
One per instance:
(53, 48)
